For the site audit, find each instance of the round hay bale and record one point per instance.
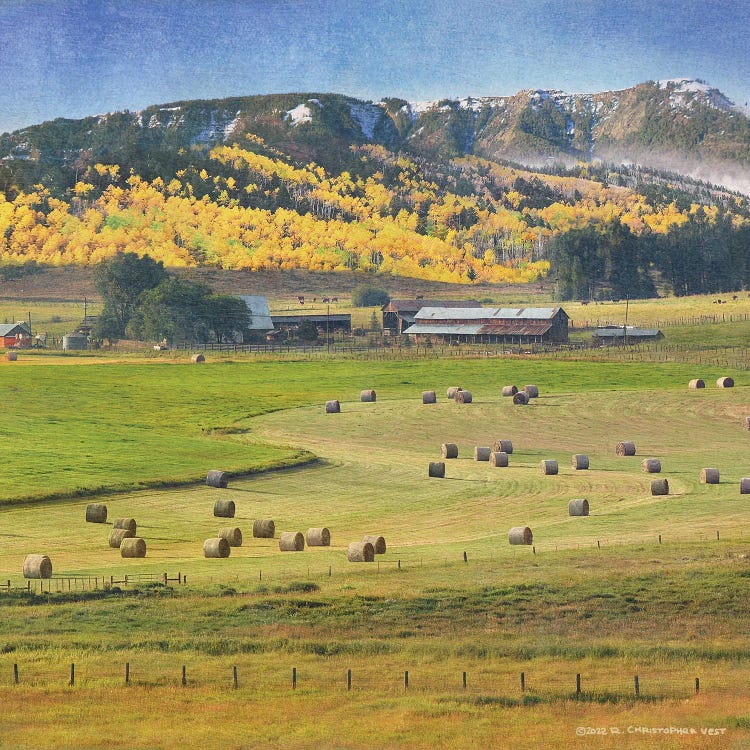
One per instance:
(625, 448)
(377, 542)
(482, 453)
(578, 507)
(224, 508)
(318, 537)
(133, 547)
(579, 461)
(451, 392)
(462, 397)
(360, 552)
(216, 478)
(216, 547)
(504, 446)
(367, 396)
(233, 535)
(548, 466)
(498, 458)
(531, 391)
(709, 476)
(725, 383)
(37, 566)
(436, 469)
(509, 390)
(96, 513)
(651, 465)
(520, 535)
(745, 486)
(333, 407)
(125, 523)
(520, 399)
(197, 359)
(449, 450)
(429, 397)
(291, 541)
(659, 486)
(697, 383)
(11, 357)
(117, 535)
(264, 529)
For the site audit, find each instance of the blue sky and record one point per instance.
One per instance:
(72, 58)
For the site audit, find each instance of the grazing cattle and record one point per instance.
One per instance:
(334, 299)
(301, 300)
(326, 300)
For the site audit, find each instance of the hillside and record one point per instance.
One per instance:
(324, 182)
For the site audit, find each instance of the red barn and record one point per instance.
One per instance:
(15, 335)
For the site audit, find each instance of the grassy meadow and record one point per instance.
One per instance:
(600, 596)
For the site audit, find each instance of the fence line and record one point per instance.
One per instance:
(519, 687)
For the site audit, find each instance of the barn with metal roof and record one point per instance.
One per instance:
(492, 324)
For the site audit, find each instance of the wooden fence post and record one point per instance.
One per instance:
(348, 679)
(464, 680)
(294, 678)
(72, 674)
(637, 686)
(184, 675)
(697, 685)
(15, 674)
(523, 682)
(234, 677)
(578, 684)
(127, 672)
(406, 680)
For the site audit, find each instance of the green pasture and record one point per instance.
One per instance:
(601, 596)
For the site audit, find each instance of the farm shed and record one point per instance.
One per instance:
(491, 325)
(260, 318)
(337, 322)
(626, 335)
(15, 335)
(399, 314)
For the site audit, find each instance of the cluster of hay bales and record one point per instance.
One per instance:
(651, 465)
(291, 541)
(233, 535)
(579, 506)
(709, 476)
(123, 537)
(498, 459)
(37, 566)
(659, 486)
(579, 461)
(224, 508)
(725, 383)
(96, 513)
(509, 390)
(318, 537)
(548, 466)
(216, 547)
(482, 453)
(360, 552)
(449, 450)
(436, 469)
(520, 535)
(333, 407)
(625, 448)
(216, 478)
(264, 529)
(368, 396)
(429, 397)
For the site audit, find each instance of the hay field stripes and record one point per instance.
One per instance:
(374, 480)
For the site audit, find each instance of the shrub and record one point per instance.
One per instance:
(369, 296)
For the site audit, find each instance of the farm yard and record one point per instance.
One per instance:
(426, 645)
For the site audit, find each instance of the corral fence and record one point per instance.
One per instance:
(63, 584)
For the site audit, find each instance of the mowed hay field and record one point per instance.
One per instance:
(597, 596)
